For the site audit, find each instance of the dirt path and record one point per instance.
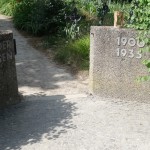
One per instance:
(37, 74)
(58, 115)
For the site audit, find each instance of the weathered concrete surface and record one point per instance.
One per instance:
(8, 77)
(112, 74)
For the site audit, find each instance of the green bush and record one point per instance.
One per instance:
(75, 53)
(39, 16)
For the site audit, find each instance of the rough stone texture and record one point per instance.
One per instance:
(61, 123)
(112, 75)
(8, 78)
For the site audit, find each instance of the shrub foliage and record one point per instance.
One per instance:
(141, 20)
(75, 53)
(39, 16)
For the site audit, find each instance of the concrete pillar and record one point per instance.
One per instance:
(8, 78)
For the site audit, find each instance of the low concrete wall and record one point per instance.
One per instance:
(8, 78)
(115, 64)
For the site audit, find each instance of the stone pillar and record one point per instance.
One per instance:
(115, 64)
(8, 78)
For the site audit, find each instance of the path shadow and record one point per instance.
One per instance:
(41, 74)
(35, 118)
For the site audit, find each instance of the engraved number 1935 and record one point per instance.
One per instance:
(129, 53)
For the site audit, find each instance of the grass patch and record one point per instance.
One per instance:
(7, 7)
(75, 53)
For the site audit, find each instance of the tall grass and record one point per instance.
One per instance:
(75, 53)
(7, 6)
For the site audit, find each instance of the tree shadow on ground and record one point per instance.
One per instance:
(35, 118)
(39, 74)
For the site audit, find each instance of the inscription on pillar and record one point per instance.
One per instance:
(6, 51)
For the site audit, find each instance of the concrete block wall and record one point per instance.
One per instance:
(115, 64)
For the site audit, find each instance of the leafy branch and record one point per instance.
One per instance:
(140, 20)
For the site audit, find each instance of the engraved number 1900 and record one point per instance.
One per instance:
(131, 42)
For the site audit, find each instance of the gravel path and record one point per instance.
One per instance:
(57, 114)
(36, 73)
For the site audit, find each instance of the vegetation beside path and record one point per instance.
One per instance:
(65, 24)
